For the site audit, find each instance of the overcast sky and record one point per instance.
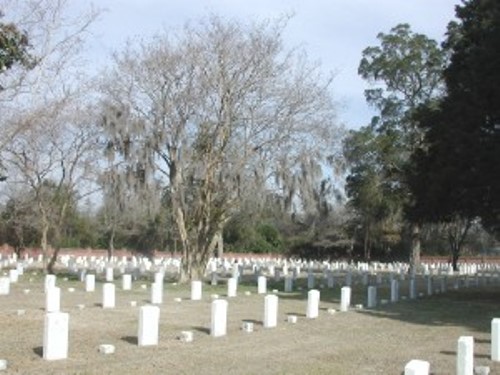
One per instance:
(332, 31)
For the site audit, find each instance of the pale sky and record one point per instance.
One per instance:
(334, 32)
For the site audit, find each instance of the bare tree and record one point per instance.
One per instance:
(217, 109)
(56, 37)
(55, 158)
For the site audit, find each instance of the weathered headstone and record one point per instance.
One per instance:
(148, 330)
(89, 283)
(50, 281)
(196, 290)
(108, 296)
(56, 336)
(313, 304)
(157, 293)
(465, 355)
(412, 288)
(394, 290)
(261, 285)
(13, 276)
(310, 281)
(53, 299)
(495, 339)
(126, 281)
(218, 325)
(372, 297)
(288, 284)
(345, 298)
(4, 286)
(109, 274)
(232, 285)
(270, 311)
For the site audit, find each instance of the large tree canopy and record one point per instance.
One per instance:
(405, 70)
(457, 173)
(216, 112)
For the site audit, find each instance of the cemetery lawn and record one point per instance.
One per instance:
(376, 341)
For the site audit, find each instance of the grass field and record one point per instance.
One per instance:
(376, 341)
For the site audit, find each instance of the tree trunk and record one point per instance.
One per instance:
(220, 244)
(366, 243)
(111, 244)
(414, 246)
(44, 244)
(53, 260)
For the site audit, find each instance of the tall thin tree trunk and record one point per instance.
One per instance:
(111, 243)
(44, 244)
(220, 244)
(414, 246)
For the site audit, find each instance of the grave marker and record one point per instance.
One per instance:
(55, 336)
(53, 299)
(465, 355)
(218, 325)
(313, 304)
(108, 296)
(149, 318)
(270, 311)
(345, 298)
(196, 290)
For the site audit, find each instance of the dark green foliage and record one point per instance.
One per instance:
(248, 237)
(456, 175)
(14, 47)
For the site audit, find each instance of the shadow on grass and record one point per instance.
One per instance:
(202, 329)
(133, 340)
(254, 321)
(38, 351)
(300, 315)
(472, 308)
(454, 354)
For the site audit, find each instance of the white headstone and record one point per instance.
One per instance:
(413, 288)
(372, 297)
(270, 311)
(330, 280)
(218, 325)
(13, 276)
(465, 355)
(126, 281)
(417, 367)
(261, 285)
(109, 274)
(345, 298)
(157, 293)
(310, 281)
(50, 281)
(232, 285)
(4, 286)
(149, 319)
(89, 283)
(159, 276)
(288, 284)
(394, 290)
(196, 290)
(55, 336)
(495, 339)
(108, 296)
(53, 299)
(312, 304)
